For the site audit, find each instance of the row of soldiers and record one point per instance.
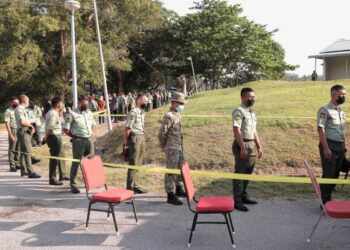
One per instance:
(20, 128)
(79, 125)
(246, 147)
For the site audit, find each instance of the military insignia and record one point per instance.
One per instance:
(323, 115)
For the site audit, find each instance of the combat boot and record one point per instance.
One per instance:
(180, 192)
(173, 200)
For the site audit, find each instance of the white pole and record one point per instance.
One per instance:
(194, 75)
(74, 64)
(105, 89)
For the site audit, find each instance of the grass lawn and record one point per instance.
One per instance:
(286, 114)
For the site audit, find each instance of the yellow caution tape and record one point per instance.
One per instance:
(222, 116)
(219, 175)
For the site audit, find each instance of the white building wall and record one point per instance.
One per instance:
(337, 68)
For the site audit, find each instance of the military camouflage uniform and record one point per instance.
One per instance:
(333, 120)
(136, 143)
(171, 135)
(13, 145)
(80, 124)
(245, 119)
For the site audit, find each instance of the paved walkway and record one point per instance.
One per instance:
(36, 215)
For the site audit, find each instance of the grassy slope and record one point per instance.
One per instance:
(207, 141)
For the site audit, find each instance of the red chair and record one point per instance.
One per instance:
(207, 205)
(335, 209)
(94, 177)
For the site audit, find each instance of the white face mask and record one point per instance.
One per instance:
(180, 108)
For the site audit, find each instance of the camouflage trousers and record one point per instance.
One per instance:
(174, 159)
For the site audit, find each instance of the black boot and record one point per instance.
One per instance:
(173, 200)
(180, 192)
(239, 206)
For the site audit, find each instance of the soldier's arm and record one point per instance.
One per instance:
(48, 126)
(322, 117)
(166, 124)
(130, 121)
(237, 117)
(258, 144)
(67, 124)
(25, 123)
(8, 127)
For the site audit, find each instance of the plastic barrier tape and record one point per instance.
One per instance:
(220, 175)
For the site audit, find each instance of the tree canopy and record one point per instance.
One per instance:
(145, 46)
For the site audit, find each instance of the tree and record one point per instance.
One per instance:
(224, 44)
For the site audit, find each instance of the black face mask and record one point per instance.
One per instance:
(341, 99)
(143, 106)
(250, 102)
(83, 108)
(14, 106)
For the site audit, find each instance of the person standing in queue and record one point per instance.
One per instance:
(246, 146)
(134, 139)
(79, 125)
(11, 127)
(171, 141)
(331, 123)
(25, 132)
(53, 138)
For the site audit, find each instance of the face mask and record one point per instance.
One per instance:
(250, 102)
(14, 106)
(83, 108)
(180, 108)
(143, 106)
(341, 99)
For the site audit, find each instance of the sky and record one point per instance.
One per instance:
(305, 26)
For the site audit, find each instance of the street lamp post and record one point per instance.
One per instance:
(72, 6)
(194, 75)
(105, 89)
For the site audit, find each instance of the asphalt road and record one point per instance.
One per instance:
(38, 216)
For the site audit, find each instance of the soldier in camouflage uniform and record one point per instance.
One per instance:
(331, 123)
(11, 126)
(171, 141)
(79, 124)
(245, 147)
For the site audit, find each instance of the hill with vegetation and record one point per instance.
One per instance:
(286, 114)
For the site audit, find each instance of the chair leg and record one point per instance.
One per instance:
(194, 223)
(316, 225)
(327, 235)
(114, 220)
(88, 216)
(229, 230)
(233, 229)
(109, 211)
(134, 208)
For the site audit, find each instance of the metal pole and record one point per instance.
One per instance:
(74, 64)
(105, 89)
(194, 75)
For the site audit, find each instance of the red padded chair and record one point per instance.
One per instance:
(94, 177)
(335, 209)
(207, 205)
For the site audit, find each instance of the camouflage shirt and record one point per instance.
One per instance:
(170, 133)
